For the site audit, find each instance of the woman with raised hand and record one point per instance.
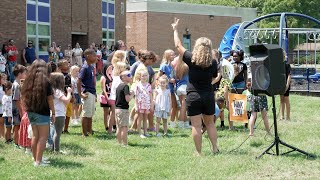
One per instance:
(200, 95)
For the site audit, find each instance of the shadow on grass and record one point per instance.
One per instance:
(140, 145)
(1, 146)
(75, 149)
(63, 164)
(256, 143)
(2, 159)
(104, 135)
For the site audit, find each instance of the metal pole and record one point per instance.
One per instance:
(298, 49)
(315, 51)
(307, 36)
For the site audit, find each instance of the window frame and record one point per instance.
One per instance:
(109, 41)
(37, 23)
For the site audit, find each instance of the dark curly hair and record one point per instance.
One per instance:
(144, 55)
(34, 91)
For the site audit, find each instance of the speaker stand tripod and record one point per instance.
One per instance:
(277, 140)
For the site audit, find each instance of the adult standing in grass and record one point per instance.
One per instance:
(284, 99)
(200, 95)
(38, 101)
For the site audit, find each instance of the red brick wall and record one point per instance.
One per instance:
(61, 22)
(13, 23)
(137, 30)
(120, 20)
(94, 21)
(153, 30)
(160, 34)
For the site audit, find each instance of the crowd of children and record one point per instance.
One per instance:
(71, 93)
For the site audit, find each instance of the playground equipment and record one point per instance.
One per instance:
(247, 34)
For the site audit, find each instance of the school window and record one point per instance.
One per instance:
(38, 25)
(108, 22)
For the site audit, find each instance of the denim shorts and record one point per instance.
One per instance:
(77, 99)
(16, 120)
(7, 123)
(38, 119)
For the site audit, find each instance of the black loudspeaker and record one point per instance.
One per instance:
(268, 69)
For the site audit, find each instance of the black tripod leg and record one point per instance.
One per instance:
(266, 151)
(296, 149)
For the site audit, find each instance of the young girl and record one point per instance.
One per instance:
(106, 81)
(167, 69)
(74, 71)
(162, 102)
(7, 110)
(60, 101)
(3, 80)
(143, 103)
(119, 65)
(181, 79)
(36, 94)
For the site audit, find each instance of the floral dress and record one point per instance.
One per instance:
(143, 97)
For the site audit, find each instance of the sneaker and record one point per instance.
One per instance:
(158, 135)
(172, 124)
(142, 136)
(17, 146)
(181, 124)
(147, 135)
(28, 151)
(49, 146)
(187, 125)
(167, 135)
(35, 164)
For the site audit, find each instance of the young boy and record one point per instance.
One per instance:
(19, 72)
(123, 97)
(63, 67)
(7, 110)
(87, 90)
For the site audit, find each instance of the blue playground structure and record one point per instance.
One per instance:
(304, 76)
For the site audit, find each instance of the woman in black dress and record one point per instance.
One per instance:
(200, 95)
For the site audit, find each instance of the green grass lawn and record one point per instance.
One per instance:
(99, 156)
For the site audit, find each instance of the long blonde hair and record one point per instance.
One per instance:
(118, 56)
(201, 54)
(119, 67)
(166, 56)
(181, 68)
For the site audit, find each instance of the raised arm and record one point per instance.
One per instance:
(177, 41)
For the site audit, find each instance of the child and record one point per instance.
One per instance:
(87, 90)
(249, 99)
(24, 141)
(74, 71)
(60, 102)
(167, 69)
(259, 104)
(162, 102)
(19, 72)
(7, 110)
(122, 108)
(3, 80)
(106, 82)
(37, 85)
(143, 103)
(64, 69)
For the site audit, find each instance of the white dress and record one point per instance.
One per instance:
(162, 103)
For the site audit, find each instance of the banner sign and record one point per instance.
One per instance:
(237, 107)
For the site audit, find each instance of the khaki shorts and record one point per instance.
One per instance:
(122, 117)
(89, 105)
(69, 110)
